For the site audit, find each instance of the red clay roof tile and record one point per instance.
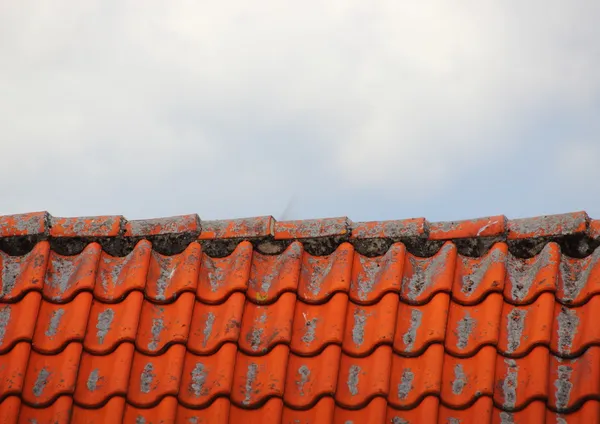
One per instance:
(410, 327)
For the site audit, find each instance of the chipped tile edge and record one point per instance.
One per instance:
(312, 228)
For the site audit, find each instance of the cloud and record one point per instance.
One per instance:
(233, 109)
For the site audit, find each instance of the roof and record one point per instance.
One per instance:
(315, 321)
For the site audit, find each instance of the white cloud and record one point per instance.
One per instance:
(232, 102)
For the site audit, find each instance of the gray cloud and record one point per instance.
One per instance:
(372, 110)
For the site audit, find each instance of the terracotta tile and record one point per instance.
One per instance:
(419, 326)
(575, 328)
(257, 378)
(270, 412)
(59, 412)
(571, 380)
(309, 378)
(17, 321)
(264, 326)
(413, 378)
(21, 274)
(470, 327)
(101, 377)
(219, 277)
(525, 326)
(480, 227)
(118, 276)
(169, 276)
(316, 326)
(23, 224)
(153, 377)
(163, 413)
(49, 376)
(589, 413)
(414, 227)
(321, 276)
(321, 413)
(160, 226)
(261, 226)
(68, 275)
(206, 377)
(162, 325)
(112, 412)
(12, 369)
(549, 225)
(594, 228)
(58, 324)
(374, 412)
(479, 412)
(9, 410)
(362, 378)
(213, 325)
(311, 228)
(271, 275)
(112, 323)
(527, 278)
(423, 277)
(89, 226)
(370, 326)
(372, 277)
(522, 379)
(216, 413)
(476, 277)
(424, 412)
(466, 378)
(535, 412)
(579, 279)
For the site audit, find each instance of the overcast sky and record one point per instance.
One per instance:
(300, 109)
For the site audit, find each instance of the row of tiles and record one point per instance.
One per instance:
(306, 328)
(266, 226)
(250, 380)
(265, 277)
(168, 411)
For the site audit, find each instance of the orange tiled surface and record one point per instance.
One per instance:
(319, 321)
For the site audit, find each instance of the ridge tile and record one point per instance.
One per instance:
(397, 229)
(86, 226)
(479, 227)
(162, 226)
(261, 226)
(24, 224)
(549, 225)
(311, 228)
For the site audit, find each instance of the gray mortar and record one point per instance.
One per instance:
(452, 420)
(568, 321)
(352, 382)
(92, 381)
(561, 420)
(40, 382)
(140, 420)
(10, 269)
(4, 320)
(398, 420)
(105, 319)
(62, 270)
(423, 276)
(304, 373)
(522, 274)
(358, 330)
(208, 327)
(416, 317)
(54, 322)
(405, 385)
(563, 386)
(471, 281)
(198, 379)
(158, 326)
(506, 418)
(464, 329)
(147, 378)
(215, 274)
(515, 327)
(193, 420)
(460, 379)
(310, 331)
(575, 274)
(509, 385)
(250, 379)
(372, 270)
